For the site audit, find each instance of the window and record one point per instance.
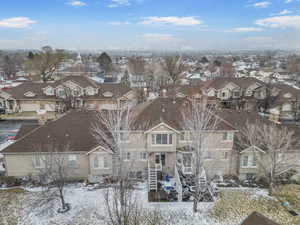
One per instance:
(143, 156)
(185, 136)
(236, 94)
(245, 161)
(249, 161)
(254, 160)
(100, 162)
(225, 154)
(105, 162)
(38, 161)
(61, 92)
(182, 136)
(72, 161)
(227, 136)
(96, 162)
(124, 136)
(161, 139)
(223, 94)
(127, 156)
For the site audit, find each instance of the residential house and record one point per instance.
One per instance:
(256, 218)
(156, 145)
(78, 91)
(248, 157)
(156, 140)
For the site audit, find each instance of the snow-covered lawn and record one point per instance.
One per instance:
(88, 207)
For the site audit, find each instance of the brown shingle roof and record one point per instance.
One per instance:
(258, 219)
(82, 81)
(26, 129)
(284, 89)
(118, 90)
(243, 82)
(37, 88)
(165, 110)
(73, 129)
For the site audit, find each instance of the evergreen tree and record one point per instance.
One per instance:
(125, 78)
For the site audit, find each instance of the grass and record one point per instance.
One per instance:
(235, 204)
(290, 194)
(11, 202)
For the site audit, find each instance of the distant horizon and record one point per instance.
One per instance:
(151, 24)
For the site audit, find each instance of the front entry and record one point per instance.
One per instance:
(160, 160)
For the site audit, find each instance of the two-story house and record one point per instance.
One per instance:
(74, 91)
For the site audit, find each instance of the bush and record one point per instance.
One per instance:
(10, 181)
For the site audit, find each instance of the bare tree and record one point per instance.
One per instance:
(111, 128)
(137, 67)
(9, 67)
(46, 62)
(173, 66)
(198, 121)
(122, 204)
(54, 170)
(293, 67)
(276, 141)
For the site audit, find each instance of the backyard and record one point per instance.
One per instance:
(87, 207)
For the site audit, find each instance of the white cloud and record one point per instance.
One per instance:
(280, 22)
(263, 4)
(283, 12)
(75, 3)
(173, 20)
(288, 1)
(119, 3)
(246, 29)
(16, 22)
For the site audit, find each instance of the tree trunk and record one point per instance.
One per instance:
(271, 188)
(62, 199)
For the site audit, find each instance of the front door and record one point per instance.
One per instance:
(160, 160)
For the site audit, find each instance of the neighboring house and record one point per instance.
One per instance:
(246, 93)
(287, 102)
(78, 91)
(256, 218)
(250, 157)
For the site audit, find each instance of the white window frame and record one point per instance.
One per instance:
(229, 136)
(142, 154)
(153, 140)
(250, 161)
(102, 162)
(41, 161)
(75, 159)
(126, 158)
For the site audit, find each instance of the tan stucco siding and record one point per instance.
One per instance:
(20, 165)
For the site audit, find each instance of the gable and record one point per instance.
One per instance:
(231, 86)
(162, 127)
(71, 84)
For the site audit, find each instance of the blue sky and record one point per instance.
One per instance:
(150, 24)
